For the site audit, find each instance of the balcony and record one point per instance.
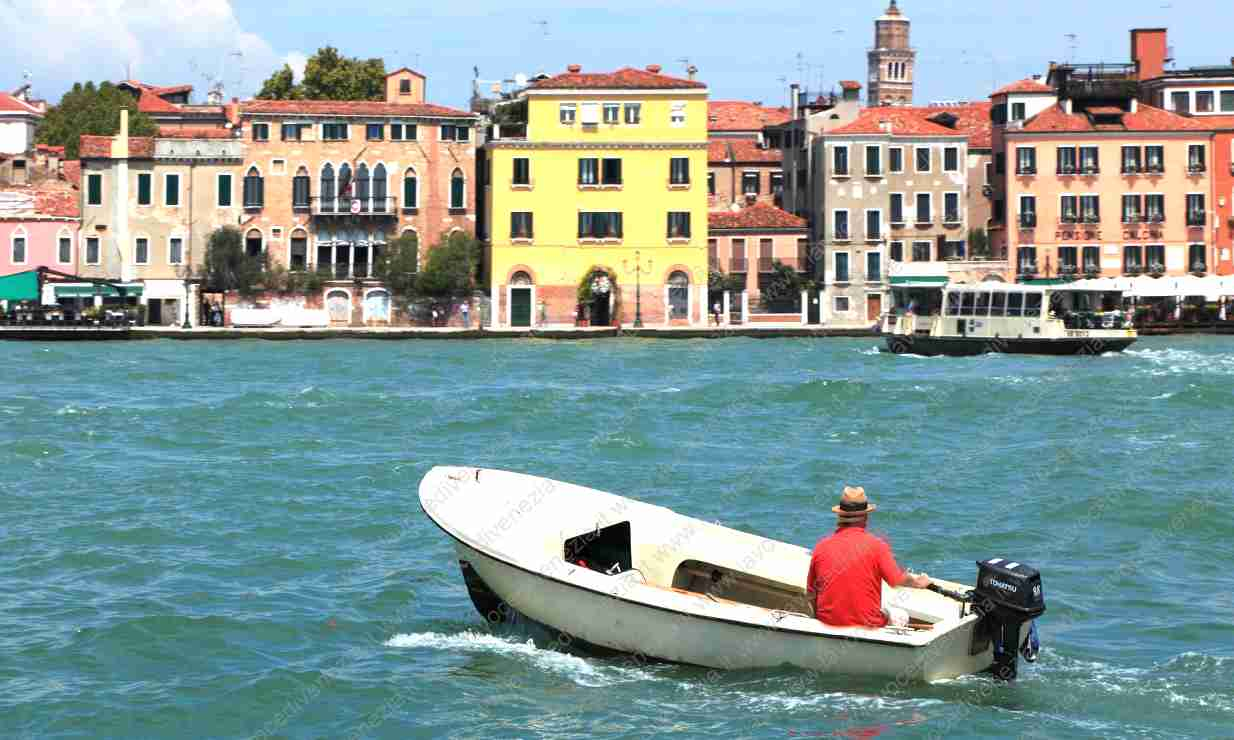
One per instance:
(1025, 171)
(1195, 168)
(1196, 219)
(738, 264)
(1096, 81)
(764, 264)
(380, 207)
(1028, 220)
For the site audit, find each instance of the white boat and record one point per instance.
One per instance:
(614, 574)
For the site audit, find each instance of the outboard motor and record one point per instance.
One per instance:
(1008, 594)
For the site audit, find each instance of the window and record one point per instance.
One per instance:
(252, 243)
(1195, 158)
(1032, 305)
(953, 250)
(679, 225)
(1025, 160)
(1068, 263)
(678, 295)
(610, 171)
(292, 131)
(1015, 304)
(874, 263)
(1155, 257)
(374, 132)
(1026, 260)
(711, 183)
(839, 161)
(895, 159)
(840, 225)
(261, 132)
(141, 251)
(874, 160)
(921, 251)
(951, 159)
(64, 254)
(1088, 160)
(777, 182)
(1092, 260)
(1028, 211)
(1196, 215)
(999, 211)
(749, 183)
(404, 86)
(1154, 208)
(874, 221)
(924, 215)
(1197, 258)
(1154, 158)
(520, 225)
(458, 191)
(1090, 209)
(396, 132)
(1069, 209)
(897, 208)
(1133, 259)
(1066, 160)
(300, 189)
(923, 158)
(522, 171)
(19, 250)
(1132, 212)
(1018, 112)
(998, 303)
(145, 186)
(677, 115)
(1204, 101)
(175, 251)
(411, 190)
(92, 250)
(951, 208)
(897, 251)
(566, 113)
(333, 131)
(1227, 101)
(299, 252)
(634, 113)
(1180, 102)
(679, 171)
(223, 186)
(841, 264)
(588, 171)
(601, 225)
(1131, 160)
(841, 304)
(94, 189)
(451, 132)
(612, 113)
(171, 190)
(254, 189)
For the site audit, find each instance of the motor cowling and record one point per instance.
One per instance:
(1008, 594)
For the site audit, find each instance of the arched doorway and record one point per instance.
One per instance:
(377, 305)
(599, 291)
(678, 298)
(521, 293)
(338, 304)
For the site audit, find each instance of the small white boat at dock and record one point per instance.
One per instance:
(616, 574)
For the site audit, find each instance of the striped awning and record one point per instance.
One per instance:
(919, 281)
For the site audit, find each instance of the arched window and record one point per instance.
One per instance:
(300, 188)
(458, 190)
(679, 295)
(520, 278)
(327, 188)
(346, 187)
(252, 243)
(298, 250)
(363, 186)
(411, 189)
(254, 189)
(379, 189)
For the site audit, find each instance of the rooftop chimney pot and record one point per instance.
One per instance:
(574, 68)
(654, 68)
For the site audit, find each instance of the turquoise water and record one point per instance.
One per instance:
(223, 539)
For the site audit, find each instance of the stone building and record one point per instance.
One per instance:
(891, 60)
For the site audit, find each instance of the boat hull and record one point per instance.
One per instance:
(592, 619)
(929, 346)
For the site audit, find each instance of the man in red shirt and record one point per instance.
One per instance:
(847, 569)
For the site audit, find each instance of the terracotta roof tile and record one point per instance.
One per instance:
(1146, 118)
(349, 108)
(738, 115)
(71, 169)
(758, 216)
(10, 104)
(60, 201)
(405, 69)
(626, 78)
(850, 85)
(167, 132)
(150, 102)
(1026, 85)
(99, 147)
(741, 150)
(49, 149)
(904, 122)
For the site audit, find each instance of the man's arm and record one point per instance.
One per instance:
(892, 574)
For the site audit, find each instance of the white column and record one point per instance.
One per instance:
(727, 307)
(805, 307)
(745, 308)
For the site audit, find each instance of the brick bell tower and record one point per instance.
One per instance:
(891, 60)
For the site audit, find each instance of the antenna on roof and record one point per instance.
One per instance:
(543, 24)
(1071, 47)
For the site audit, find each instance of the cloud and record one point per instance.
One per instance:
(296, 60)
(63, 41)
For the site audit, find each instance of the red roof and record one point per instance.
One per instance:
(10, 104)
(626, 78)
(405, 69)
(349, 108)
(850, 85)
(1026, 85)
(99, 147)
(757, 216)
(167, 132)
(57, 199)
(741, 150)
(738, 115)
(49, 149)
(1146, 118)
(72, 171)
(904, 122)
(150, 102)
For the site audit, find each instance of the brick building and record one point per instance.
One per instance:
(741, 166)
(748, 241)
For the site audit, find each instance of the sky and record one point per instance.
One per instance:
(743, 50)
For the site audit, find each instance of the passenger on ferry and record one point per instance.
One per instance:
(848, 567)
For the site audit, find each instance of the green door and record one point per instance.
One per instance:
(520, 307)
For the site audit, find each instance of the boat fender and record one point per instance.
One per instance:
(1031, 647)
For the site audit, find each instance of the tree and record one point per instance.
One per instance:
(228, 267)
(784, 286)
(328, 75)
(978, 243)
(398, 266)
(451, 267)
(87, 109)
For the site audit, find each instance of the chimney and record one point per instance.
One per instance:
(1149, 52)
(1036, 78)
(654, 68)
(691, 71)
(574, 69)
(794, 100)
(1134, 105)
(124, 123)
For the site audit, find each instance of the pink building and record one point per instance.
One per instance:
(38, 226)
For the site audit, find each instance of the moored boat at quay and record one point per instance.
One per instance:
(978, 318)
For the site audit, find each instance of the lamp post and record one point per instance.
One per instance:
(638, 290)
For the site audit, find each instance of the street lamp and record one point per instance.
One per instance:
(638, 291)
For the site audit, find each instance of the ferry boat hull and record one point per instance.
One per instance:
(932, 346)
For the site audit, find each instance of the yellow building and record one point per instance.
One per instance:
(597, 201)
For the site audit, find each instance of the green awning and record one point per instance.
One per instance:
(20, 286)
(89, 290)
(918, 281)
(1048, 281)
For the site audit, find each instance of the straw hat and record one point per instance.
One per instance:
(853, 504)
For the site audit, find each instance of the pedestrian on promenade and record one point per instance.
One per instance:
(434, 316)
(715, 312)
(465, 308)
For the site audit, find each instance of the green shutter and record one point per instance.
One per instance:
(409, 192)
(143, 189)
(173, 190)
(224, 190)
(94, 190)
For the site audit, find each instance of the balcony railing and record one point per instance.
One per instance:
(1028, 220)
(345, 205)
(738, 264)
(764, 264)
